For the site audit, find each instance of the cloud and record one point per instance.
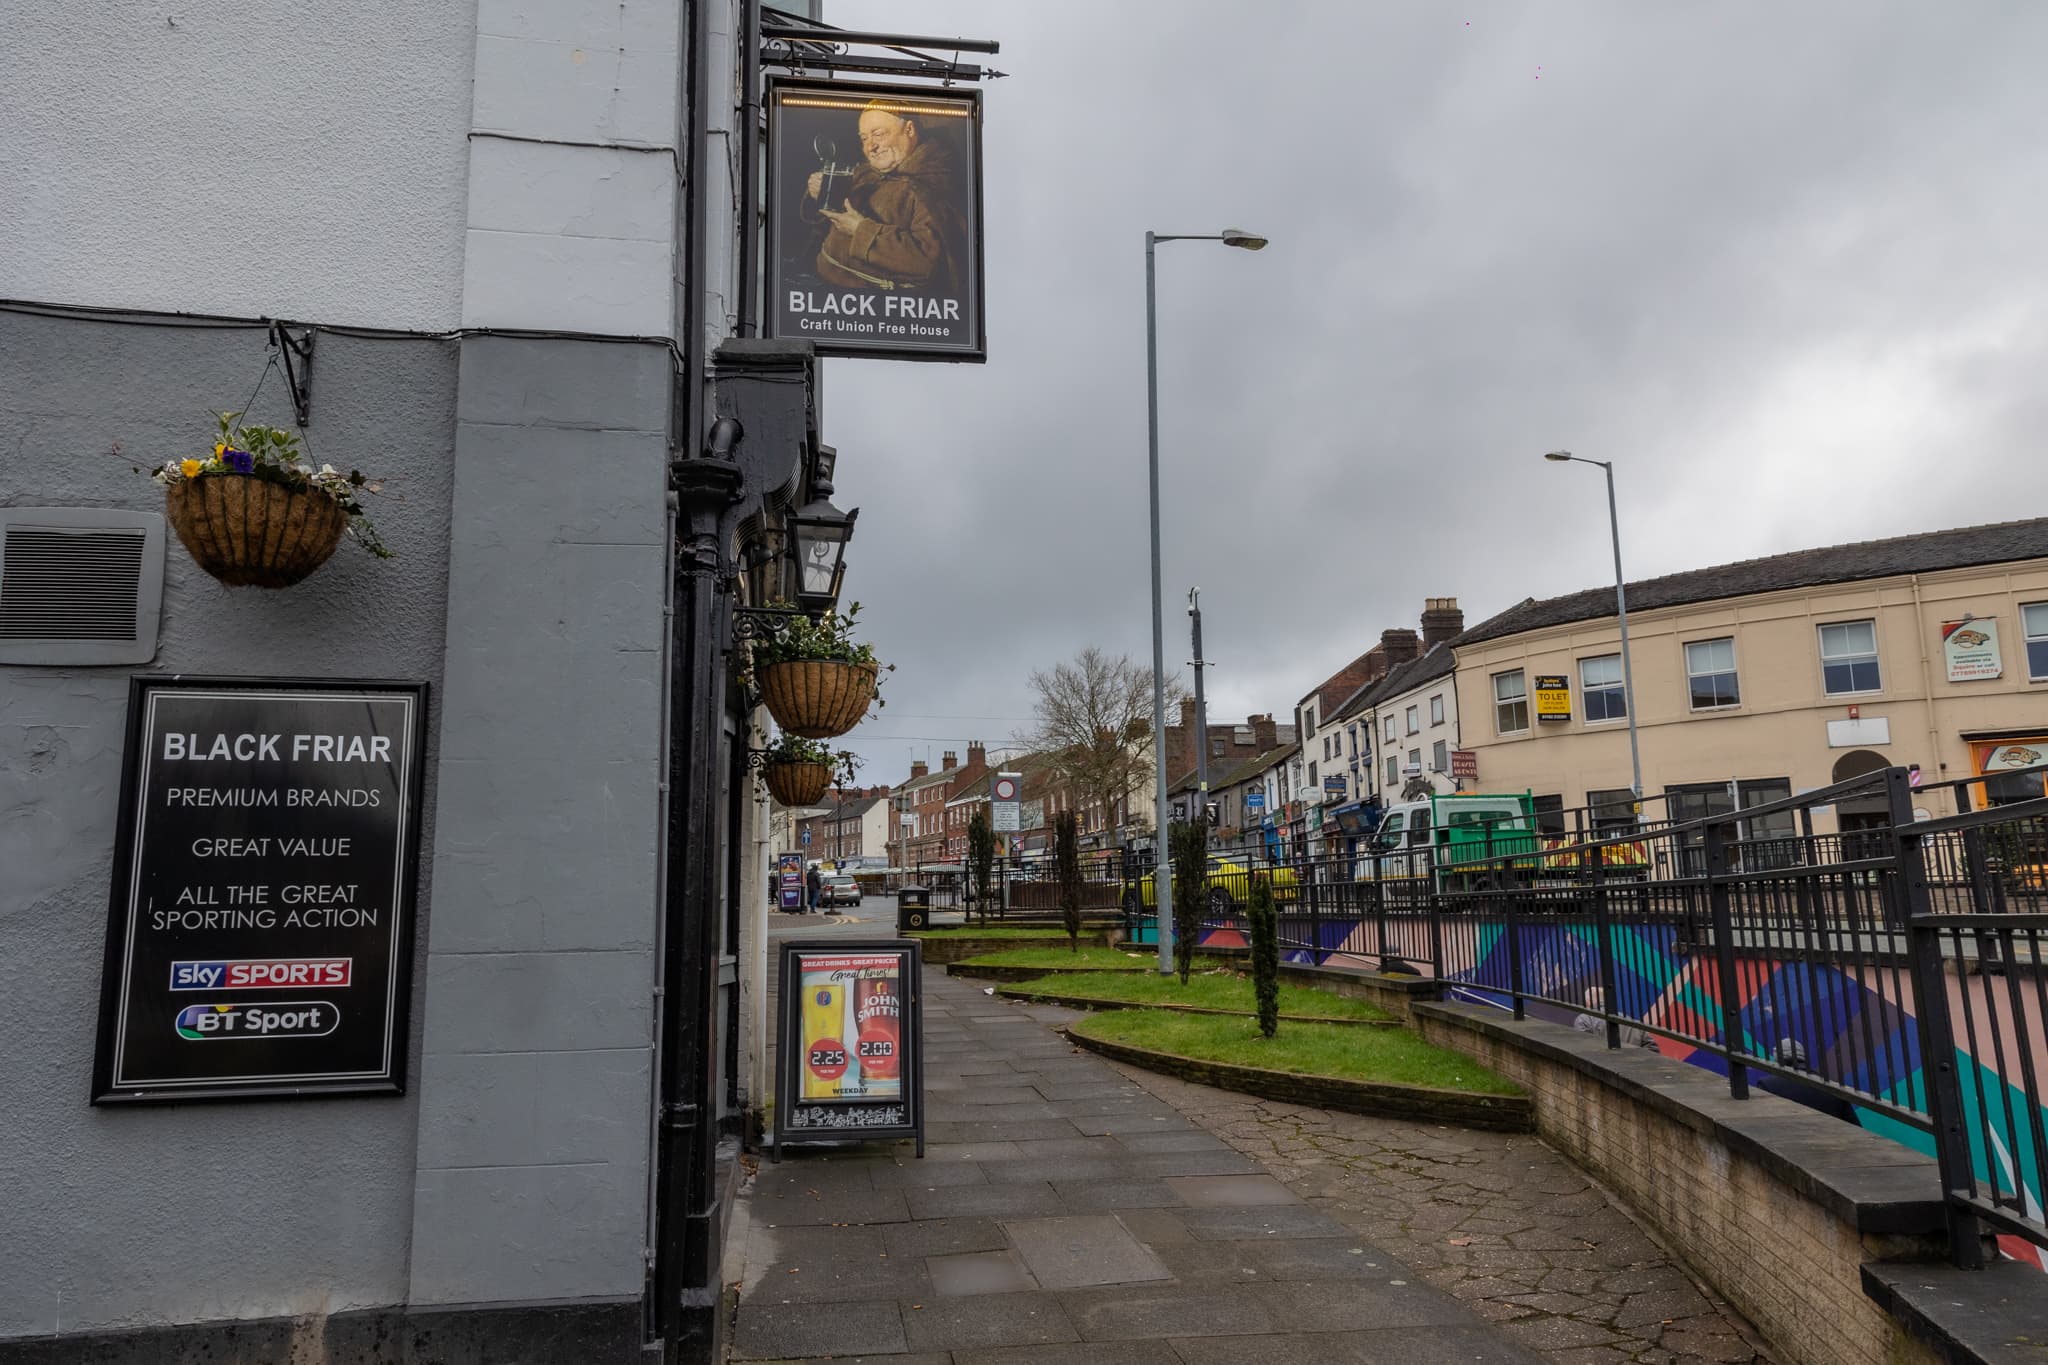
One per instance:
(1781, 264)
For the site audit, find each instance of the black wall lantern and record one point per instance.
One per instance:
(820, 532)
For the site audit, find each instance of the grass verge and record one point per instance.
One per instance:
(1392, 1056)
(1096, 958)
(1222, 990)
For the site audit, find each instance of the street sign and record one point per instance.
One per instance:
(1255, 799)
(1006, 787)
(804, 838)
(1005, 818)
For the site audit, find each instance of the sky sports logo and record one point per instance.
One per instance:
(257, 1023)
(262, 974)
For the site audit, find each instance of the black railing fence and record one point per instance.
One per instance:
(1828, 947)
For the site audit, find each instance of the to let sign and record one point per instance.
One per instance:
(1553, 697)
(259, 935)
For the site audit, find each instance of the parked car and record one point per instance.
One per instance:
(1230, 883)
(840, 888)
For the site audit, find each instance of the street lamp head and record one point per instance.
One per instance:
(1250, 241)
(1558, 455)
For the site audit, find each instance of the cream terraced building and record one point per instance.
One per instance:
(1772, 676)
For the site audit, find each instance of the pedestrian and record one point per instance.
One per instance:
(814, 883)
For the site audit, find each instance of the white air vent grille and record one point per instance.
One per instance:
(69, 585)
(79, 585)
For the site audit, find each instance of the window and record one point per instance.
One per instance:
(1510, 702)
(1600, 683)
(1415, 759)
(1436, 709)
(1311, 774)
(1549, 814)
(1418, 826)
(1390, 729)
(1440, 757)
(1612, 809)
(1414, 719)
(1710, 669)
(2034, 626)
(1393, 773)
(1848, 657)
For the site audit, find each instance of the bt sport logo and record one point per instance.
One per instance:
(257, 1023)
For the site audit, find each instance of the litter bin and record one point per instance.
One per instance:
(913, 908)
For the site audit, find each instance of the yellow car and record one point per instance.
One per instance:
(1230, 883)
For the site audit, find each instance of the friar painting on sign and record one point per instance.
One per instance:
(874, 220)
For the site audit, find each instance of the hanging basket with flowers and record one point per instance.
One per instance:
(798, 770)
(814, 678)
(256, 514)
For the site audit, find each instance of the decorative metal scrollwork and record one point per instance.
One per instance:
(762, 623)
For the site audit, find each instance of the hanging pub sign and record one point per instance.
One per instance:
(1970, 649)
(1553, 697)
(259, 936)
(874, 219)
(848, 1047)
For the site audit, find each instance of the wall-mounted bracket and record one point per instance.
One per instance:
(297, 351)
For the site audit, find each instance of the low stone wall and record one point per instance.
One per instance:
(1501, 1113)
(1778, 1206)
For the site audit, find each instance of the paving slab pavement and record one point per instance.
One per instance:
(1069, 1209)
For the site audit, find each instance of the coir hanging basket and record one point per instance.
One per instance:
(798, 784)
(249, 532)
(817, 698)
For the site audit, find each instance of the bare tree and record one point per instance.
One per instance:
(1092, 726)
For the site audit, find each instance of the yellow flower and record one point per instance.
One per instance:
(219, 449)
(190, 469)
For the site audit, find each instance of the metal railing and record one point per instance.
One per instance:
(1890, 971)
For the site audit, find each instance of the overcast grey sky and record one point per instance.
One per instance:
(1784, 264)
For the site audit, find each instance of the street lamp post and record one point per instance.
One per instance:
(1628, 677)
(1162, 875)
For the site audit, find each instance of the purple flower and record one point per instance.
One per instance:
(241, 461)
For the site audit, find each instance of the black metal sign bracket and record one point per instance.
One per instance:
(297, 352)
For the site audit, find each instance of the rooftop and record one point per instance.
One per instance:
(1927, 552)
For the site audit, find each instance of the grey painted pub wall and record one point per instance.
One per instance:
(527, 510)
(142, 1214)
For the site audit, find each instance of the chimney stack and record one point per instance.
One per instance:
(1400, 646)
(919, 769)
(1265, 734)
(952, 760)
(1187, 713)
(1442, 621)
(977, 754)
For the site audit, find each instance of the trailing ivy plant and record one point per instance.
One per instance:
(1264, 919)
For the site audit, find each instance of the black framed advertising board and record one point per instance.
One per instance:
(259, 931)
(874, 221)
(849, 1042)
